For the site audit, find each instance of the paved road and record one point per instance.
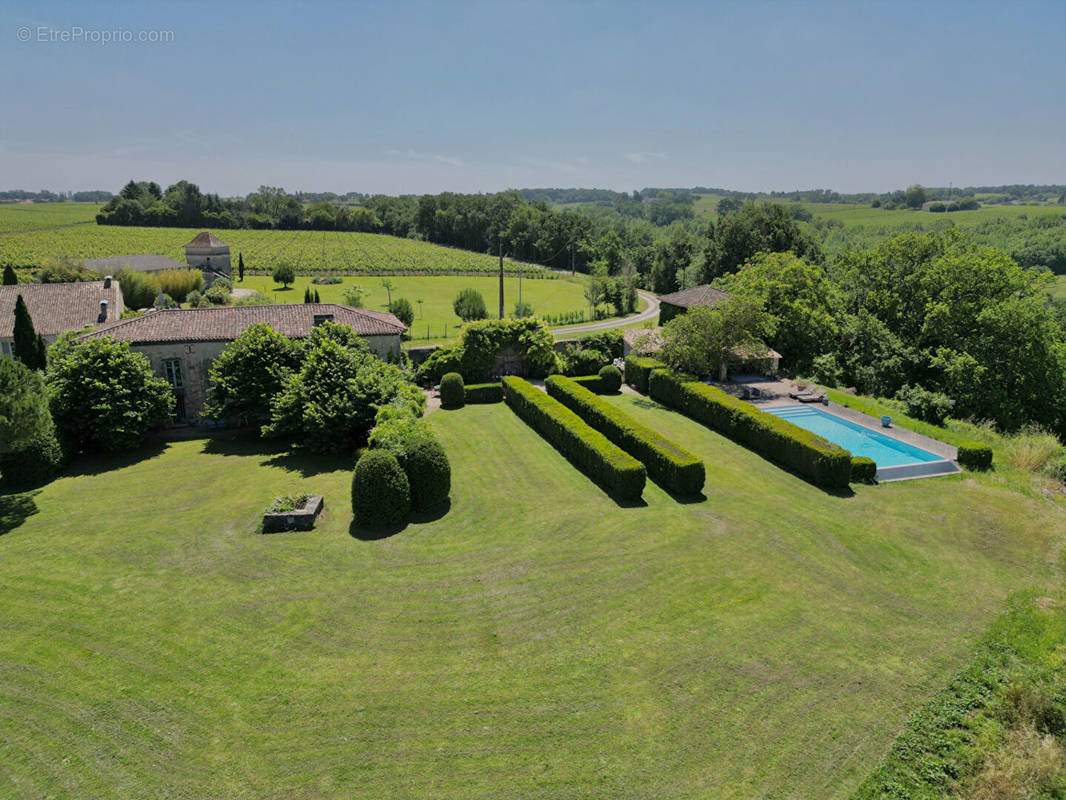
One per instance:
(649, 313)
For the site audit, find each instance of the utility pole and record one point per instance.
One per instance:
(501, 277)
(572, 273)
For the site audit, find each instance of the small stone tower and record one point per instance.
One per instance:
(210, 254)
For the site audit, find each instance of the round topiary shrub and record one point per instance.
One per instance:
(452, 391)
(610, 379)
(429, 474)
(381, 493)
(863, 470)
(975, 455)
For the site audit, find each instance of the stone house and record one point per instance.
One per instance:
(56, 308)
(182, 343)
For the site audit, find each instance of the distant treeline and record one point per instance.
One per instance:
(45, 196)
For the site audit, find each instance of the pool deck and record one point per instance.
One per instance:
(926, 469)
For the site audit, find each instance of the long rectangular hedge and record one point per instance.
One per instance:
(483, 393)
(617, 472)
(819, 460)
(638, 371)
(669, 465)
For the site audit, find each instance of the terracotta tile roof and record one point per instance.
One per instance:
(206, 239)
(226, 323)
(143, 263)
(59, 307)
(705, 295)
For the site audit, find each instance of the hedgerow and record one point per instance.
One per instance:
(638, 371)
(863, 469)
(817, 459)
(669, 465)
(484, 393)
(975, 456)
(617, 472)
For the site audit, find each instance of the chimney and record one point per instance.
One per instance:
(103, 312)
(107, 281)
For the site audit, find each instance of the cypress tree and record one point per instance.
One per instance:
(317, 298)
(240, 266)
(307, 294)
(27, 348)
(10, 278)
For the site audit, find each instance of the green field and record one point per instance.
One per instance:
(1058, 289)
(554, 295)
(538, 640)
(19, 218)
(308, 251)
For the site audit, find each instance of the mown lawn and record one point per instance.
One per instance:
(538, 640)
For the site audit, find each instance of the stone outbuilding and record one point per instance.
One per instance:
(671, 305)
(210, 254)
(182, 343)
(56, 308)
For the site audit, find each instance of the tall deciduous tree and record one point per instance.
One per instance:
(249, 373)
(103, 396)
(700, 340)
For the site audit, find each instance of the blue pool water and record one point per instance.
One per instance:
(859, 441)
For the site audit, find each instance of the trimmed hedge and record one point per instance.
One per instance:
(429, 474)
(452, 391)
(669, 465)
(610, 379)
(819, 460)
(484, 393)
(638, 372)
(613, 469)
(381, 493)
(590, 382)
(863, 469)
(975, 456)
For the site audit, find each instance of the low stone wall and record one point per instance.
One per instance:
(302, 519)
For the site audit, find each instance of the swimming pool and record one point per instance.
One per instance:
(860, 441)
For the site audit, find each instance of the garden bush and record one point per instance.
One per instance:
(583, 362)
(452, 393)
(35, 462)
(819, 460)
(469, 305)
(863, 469)
(669, 465)
(638, 371)
(483, 393)
(381, 493)
(975, 456)
(617, 472)
(419, 454)
(402, 309)
(931, 407)
(610, 379)
(429, 474)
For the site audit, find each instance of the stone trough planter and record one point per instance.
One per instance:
(301, 519)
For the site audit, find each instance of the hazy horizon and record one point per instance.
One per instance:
(415, 97)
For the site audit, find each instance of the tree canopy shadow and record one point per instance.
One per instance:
(283, 455)
(16, 509)
(99, 463)
(433, 514)
(375, 534)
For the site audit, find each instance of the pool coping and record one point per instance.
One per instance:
(924, 469)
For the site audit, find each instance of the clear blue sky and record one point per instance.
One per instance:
(424, 97)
